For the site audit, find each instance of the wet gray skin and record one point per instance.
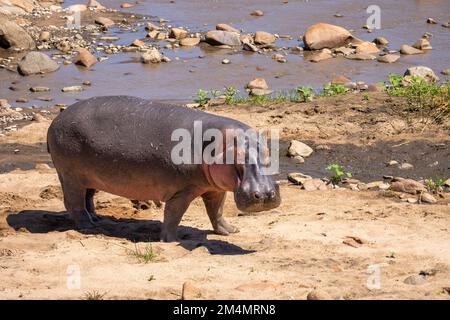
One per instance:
(122, 145)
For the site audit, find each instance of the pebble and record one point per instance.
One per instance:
(405, 166)
(257, 13)
(190, 291)
(427, 198)
(318, 295)
(72, 89)
(415, 280)
(226, 61)
(39, 89)
(431, 21)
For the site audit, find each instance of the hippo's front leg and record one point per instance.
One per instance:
(214, 206)
(173, 212)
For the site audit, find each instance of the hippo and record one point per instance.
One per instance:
(123, 145)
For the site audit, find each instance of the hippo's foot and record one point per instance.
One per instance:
(95, 217)
(167, 236)
(224, 228)
(83, 219)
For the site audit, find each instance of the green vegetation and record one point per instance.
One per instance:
(202, 97)
(145, 255)
(331, 90)
(434, 186)
(339, 173)
(430, 101)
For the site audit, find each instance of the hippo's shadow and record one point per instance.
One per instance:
(38, 221)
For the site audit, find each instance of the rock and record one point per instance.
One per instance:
(218, 37)
(44, 36)
(39, 89)
(406, 166)
(367, 48)
(447, 182)
(85, 58)
(72, 89)
(407, 186)
(189, 42)
(77, 8)
(381, 41)
(408, 50)
(151, 56)
(320, 56)
(427, 35)
(226, 61)
(392, 163)
(361, 56)
(36, 62)
(151, 27)
(388, 58)
(95, 4)
(314, 184)
(190, 291)
(257, 13)
(260, 92)
(298, 178)
(324, 35)
(371, 185)
(375, 88)
(226, 27)
(341, 80)
(446, 72)
(262, 37)
(415, 280)
(431, 21)
(127, 5)
(344, 50)
(422, 44)
(297, 148)
(423, 72)
(427, 198)
(178, 33)
(279, 58)
(318, 295)
(104, 22)
(258, 83)
(137, 43)
(446, 25)
(12, 36)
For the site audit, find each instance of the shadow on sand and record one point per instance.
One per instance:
(38, 221)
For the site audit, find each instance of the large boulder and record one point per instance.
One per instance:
(12, 36)
(37, 63)
(423, 72)
(218, 37)
(324, 35)
(85, 58)
(16, 7)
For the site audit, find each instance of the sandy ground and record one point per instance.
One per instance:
(307, 243)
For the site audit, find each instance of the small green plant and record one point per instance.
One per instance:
(94, 295)
(145, 255)
(434, 186)
(330, 90)
(215, 93)
(366, 97)
(305, 94)
(201, 97)
(339, 173)
(230, 94)
(429, 101)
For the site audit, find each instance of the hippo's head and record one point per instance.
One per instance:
(253, 190)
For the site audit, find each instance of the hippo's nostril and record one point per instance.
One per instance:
(257, 195)
(271, 194)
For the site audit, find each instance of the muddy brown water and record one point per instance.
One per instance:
(402, 22)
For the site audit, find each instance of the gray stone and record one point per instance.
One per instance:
(35, 63)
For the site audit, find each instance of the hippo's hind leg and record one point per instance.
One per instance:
(173, 212)
(90, 206)
(75, 202)
(214, 206)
